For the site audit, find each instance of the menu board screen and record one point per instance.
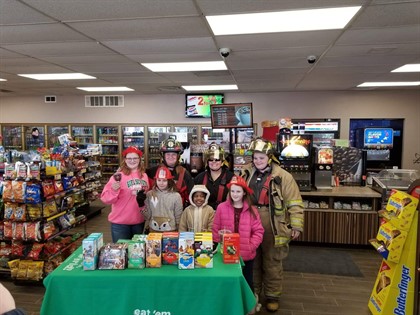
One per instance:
(235, 115)
(378, 137)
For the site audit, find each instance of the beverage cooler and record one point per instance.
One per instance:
(83, 135)
(295, 154)
(108, 137)
(53, 132)
(153, 144)
(12, 137)
(34, 137)
(133, 136)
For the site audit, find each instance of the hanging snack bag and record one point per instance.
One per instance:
(19, 188)
(9, 171)
(21, 170)
(33, 171)
(33, 193)
(48, 187)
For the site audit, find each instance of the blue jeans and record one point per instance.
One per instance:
(125, 231)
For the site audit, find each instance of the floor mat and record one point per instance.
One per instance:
(321, 260)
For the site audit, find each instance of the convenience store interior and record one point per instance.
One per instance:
(111, 40)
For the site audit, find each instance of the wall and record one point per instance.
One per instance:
(158, 109)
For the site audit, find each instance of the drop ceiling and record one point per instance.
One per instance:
(109, 39)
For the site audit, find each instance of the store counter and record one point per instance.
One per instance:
(151, 291)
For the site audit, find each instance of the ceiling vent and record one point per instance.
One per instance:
(100, 101)
(50, 99)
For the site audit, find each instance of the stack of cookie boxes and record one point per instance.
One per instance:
(396, 241)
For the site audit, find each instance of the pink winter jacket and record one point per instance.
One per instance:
(250, 228)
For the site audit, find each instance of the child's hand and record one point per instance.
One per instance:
(116, 186)
(141, 197)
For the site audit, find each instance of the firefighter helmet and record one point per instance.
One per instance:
(261, 145)
(215, 152)
(171, 145)
(163, 173)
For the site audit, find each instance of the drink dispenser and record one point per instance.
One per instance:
(323, 168)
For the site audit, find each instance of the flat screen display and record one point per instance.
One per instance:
(235, 115)
(378, 137)
(293, 147)
(198, 105)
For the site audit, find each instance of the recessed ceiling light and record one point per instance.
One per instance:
(185, 66)
(105, 89)
(379, 84)
(2, 79)
(57, 76)
(413, 67)
(286, 21)
(210, 87)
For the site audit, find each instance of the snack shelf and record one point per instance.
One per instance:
(69, 191)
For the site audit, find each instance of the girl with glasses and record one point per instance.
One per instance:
(120, 192)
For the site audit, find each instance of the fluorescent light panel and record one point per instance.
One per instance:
(414, 67)
(105, 89)
(379, 84)
(185, 66)
(286, 21)
(210, 87)
(57, 76)
(2, 79)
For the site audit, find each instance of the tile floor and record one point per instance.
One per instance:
(305, 294)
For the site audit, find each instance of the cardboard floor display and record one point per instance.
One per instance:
(396, 241)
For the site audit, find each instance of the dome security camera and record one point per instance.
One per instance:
(224, 52)
(311, 59)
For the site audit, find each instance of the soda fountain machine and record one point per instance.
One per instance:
(323, 168)
(295, 155)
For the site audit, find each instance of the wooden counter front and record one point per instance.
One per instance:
(341, 226)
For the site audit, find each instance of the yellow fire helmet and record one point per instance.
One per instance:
(263, 146)
(215, 152)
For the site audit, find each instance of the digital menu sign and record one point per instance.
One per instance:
(235, 115)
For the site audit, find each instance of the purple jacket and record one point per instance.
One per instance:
(250, 228)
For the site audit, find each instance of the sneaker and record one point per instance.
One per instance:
(257, 306)
(272, 305)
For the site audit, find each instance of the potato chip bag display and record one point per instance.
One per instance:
(8, 191)
(33, 193)
(34, 171)
(34, 211)
(49, 208)
(9, 171)
(21, 170)
(20, 212)
(19, 189)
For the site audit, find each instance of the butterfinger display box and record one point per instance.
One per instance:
(231, 253)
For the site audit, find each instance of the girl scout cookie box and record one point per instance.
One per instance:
(170, 248)
(186, 250)
(203, 250)
(231, 253)
(154, 250)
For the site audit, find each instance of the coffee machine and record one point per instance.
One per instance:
(295, 154)
(323, 168)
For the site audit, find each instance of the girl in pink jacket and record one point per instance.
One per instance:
(237, 215)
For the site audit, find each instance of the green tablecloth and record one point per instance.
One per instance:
(151, 291)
